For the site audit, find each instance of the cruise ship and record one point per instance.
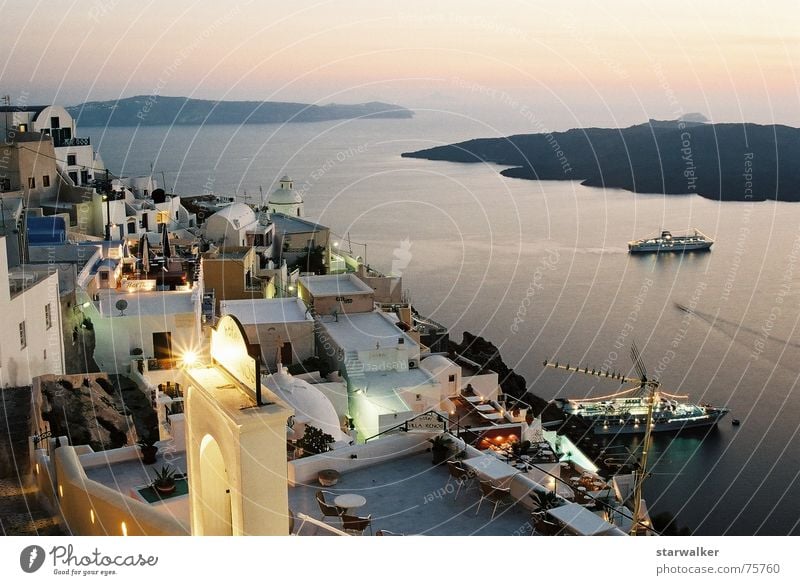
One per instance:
(696, 241)
(627, 414)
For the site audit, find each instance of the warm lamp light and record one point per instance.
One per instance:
(190, 358)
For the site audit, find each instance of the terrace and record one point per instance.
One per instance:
(410, 496)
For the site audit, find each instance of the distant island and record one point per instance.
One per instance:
(150, 110)
(729, 162)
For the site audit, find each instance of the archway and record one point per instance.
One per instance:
(215, 497)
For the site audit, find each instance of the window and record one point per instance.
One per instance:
(71, 160)
(55, 122)
(104, 276)
(23, 340)
(31, 182)
(84, 177)
(23, 127)
(46, 181)
(451, 378)
(48, 316)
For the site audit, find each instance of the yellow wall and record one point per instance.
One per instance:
(79, 496)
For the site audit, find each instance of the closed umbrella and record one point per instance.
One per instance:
(167, 251)
(144, 249)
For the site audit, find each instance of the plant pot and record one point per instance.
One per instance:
(165, 488)
(328, 477)
(440, 455)
(149, 453)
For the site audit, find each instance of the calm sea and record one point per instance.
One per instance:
(541, 269)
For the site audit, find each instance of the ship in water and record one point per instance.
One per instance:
(695, 241)
(631, 411)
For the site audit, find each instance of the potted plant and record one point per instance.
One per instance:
(314, 441)
(440, 447)
(148, 448)
(164, 483)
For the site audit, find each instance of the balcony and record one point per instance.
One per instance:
(59, 142)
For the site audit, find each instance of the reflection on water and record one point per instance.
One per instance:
(476, 240)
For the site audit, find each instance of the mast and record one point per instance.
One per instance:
(637, 526)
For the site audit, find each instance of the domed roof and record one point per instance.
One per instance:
(436, 364)
(285, 193)
(310, 405)
(237, 214)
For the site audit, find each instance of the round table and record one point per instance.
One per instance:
(348, 501)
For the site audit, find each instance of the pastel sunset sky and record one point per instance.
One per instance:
(575, 63)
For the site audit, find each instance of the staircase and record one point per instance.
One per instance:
(354, 367)
(20, 511)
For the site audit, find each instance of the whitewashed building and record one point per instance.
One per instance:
(32, 343)
(75, 158)
(285, 199)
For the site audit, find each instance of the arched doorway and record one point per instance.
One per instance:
(215, 497)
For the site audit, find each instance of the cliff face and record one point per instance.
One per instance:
(181, 111)
(732, 162)
(485, 353)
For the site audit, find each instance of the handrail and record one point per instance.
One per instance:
(319, 524)
(404, 425)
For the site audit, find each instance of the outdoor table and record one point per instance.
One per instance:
(349, 501)
(491, 468)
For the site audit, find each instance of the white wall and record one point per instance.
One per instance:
(43, 352)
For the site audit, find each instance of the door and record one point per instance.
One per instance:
(286, 354)
(162, 345)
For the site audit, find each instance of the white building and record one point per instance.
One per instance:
(32, 342)
(132, 319)
(237, 225)
(282, 327)
(285, 199)
(75, 158)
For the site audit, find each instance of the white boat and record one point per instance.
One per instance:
(628, 414)
(695, 241)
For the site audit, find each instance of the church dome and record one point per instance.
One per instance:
(285, 193)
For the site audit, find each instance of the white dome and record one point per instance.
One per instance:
(238, 215)
(285, 193)
(310, 405)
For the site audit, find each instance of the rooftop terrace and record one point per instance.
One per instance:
(410, 496)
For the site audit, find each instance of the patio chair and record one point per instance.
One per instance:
(463, 476)
(356, 524)
(541, 525)
(500, 496)
(328, 510)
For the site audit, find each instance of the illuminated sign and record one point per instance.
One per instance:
(430, 421)
(138, 285)
(229, 348)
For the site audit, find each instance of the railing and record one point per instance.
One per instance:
(306, 519)
(58, 142)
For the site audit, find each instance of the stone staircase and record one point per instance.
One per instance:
(354, 367)
(20, 511)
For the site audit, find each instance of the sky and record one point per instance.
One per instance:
(578, 63)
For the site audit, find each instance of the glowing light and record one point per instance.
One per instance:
(37, 469)
(336, 244)
(190, 358)
(124, 529)
(291, 288)
(91, 515)
(60, 490)
(86, 305)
